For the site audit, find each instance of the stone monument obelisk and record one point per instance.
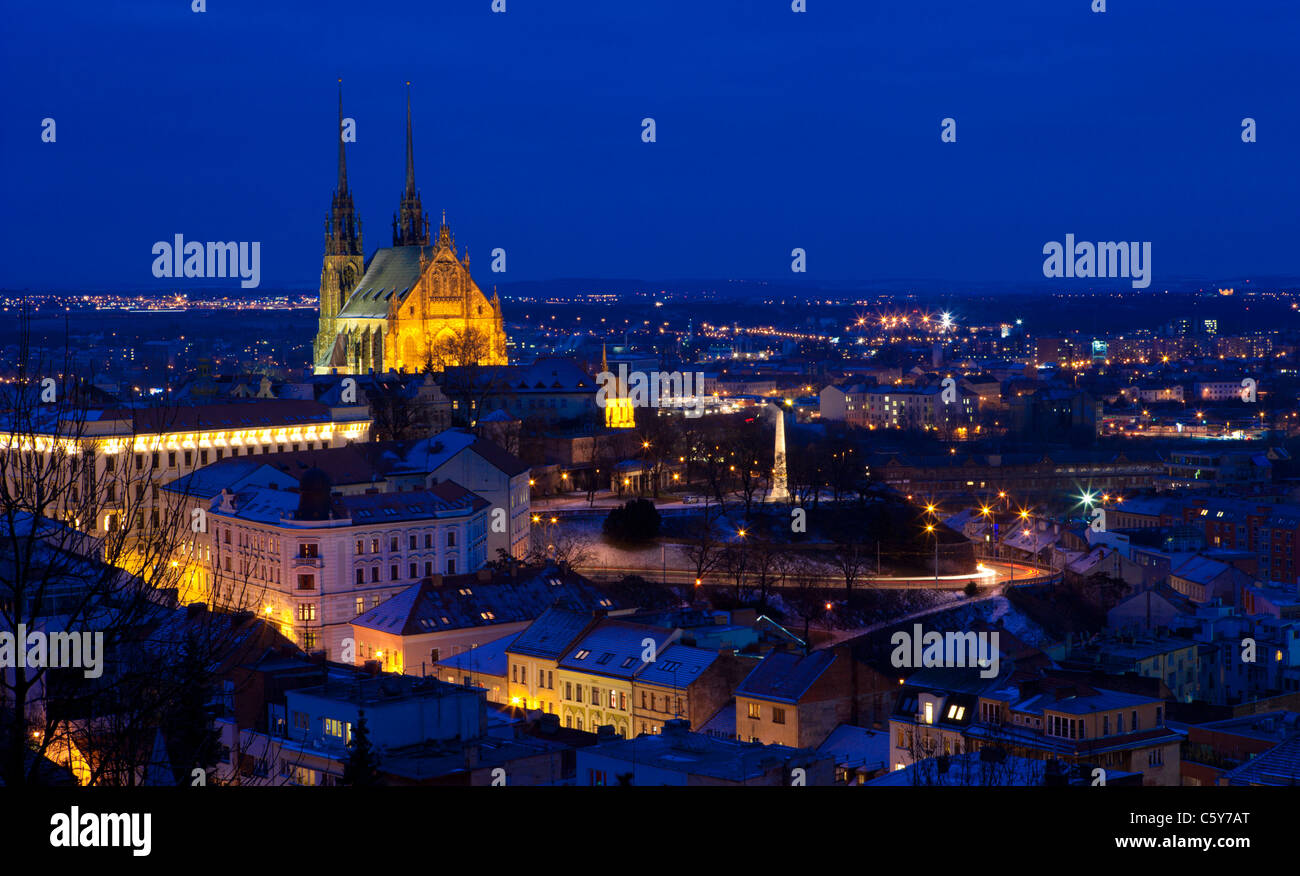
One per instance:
(780, 491)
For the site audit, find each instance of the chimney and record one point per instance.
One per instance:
(435, 580)
(605, 733)
(485, 575)
(676, 729)
(371, 667)
(548, 724)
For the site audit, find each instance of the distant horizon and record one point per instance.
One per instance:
(894, 286)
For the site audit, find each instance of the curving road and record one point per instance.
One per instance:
(995, 573)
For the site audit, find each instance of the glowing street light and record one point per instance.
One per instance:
(929, 527)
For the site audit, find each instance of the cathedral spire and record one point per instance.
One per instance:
(343, 227)
(343, 161)
(410, 148)
(410, 227)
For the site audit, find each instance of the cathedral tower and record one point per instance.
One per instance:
(410, 227)
(344, 261)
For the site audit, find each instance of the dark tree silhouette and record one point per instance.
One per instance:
(362, 767)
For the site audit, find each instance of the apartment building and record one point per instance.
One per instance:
(947, 712)
(313, 560)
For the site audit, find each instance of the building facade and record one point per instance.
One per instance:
(313, 561)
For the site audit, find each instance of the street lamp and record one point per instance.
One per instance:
(1024, 521)
(1034, 555)
(929, 527)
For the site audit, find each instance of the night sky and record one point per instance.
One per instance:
(775, 130)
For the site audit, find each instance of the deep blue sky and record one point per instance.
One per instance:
(775, 130)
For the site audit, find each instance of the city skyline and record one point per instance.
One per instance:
(798, 394)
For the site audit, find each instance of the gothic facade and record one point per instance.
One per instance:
(410, 307)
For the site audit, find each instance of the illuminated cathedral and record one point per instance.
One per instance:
(410, 307)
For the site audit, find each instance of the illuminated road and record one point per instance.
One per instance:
(996, 573)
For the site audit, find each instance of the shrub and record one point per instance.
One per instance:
(636, 521)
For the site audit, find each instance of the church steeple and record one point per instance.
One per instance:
(343, 227)
(343, 263)
(343, 159)
(410, 227)
(409, 192)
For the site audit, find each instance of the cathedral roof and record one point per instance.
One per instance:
(391, 271)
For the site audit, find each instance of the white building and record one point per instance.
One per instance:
(486, 469)
(1219, 390)
(313, 560)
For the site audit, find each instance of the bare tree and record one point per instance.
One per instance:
(803, 471)
(853, 564)
(735, 562)
(466, 380)
(767, 566)
(704, 546)
(603, 455)
(92, 557)
(804, 595)
(660, 440)
(751, 466)
(549, 545)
